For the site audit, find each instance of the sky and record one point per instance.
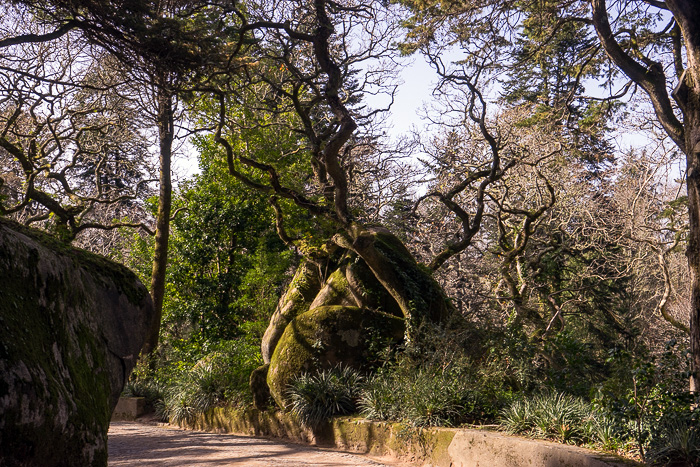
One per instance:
(418, 82)
(417, 79)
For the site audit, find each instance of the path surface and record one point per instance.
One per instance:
(134, 444)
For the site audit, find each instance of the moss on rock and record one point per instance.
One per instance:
(367, 290)
(71, 327)
(324, 337)
(411, 284)
(300, 293)
(335, 291)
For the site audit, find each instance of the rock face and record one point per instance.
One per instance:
(71, 327)
(327, 336)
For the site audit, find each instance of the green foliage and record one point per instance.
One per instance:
(220, 378)
(147, 388)
(429, 386)
(317, 397)
(648, 395)
(421, 397)
(551, 415)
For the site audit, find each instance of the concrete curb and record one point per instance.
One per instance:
(434, 447)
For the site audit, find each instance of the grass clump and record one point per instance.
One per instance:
(551, 415)
(317, 397)
(424, 397)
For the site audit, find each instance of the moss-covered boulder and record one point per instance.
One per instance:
(71, 327)
(362, 294)
(326, 336)
(300, 294)
(412, 285)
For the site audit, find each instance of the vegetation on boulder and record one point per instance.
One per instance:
(326, 337)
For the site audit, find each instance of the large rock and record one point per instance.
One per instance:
(71, 327)
(328, 336)
(372, 289)
(300, 293)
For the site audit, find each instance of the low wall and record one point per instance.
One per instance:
(435, 447)
(129, 408)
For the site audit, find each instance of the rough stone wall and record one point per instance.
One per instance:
(71, 327)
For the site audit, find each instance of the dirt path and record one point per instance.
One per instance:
(133, 444)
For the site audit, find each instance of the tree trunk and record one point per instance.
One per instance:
(693, 253)
(416, 292)
(165, 121)
(692, 126)
(687, 95)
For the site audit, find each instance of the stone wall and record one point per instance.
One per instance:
(435, 447)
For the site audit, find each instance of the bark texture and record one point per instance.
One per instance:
(160, 257)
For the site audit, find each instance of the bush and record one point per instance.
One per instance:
(149, 389)
(444, 392)
(220, 378)
(316, 398)
(424, 397)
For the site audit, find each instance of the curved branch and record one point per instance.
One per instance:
(652, 79)
(279, 223)
(33, 38)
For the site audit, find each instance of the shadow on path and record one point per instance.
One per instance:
(134, 444)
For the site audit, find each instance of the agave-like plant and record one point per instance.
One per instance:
(549, 415)
(315, 398)
(378, 400)
(518, 417)
(678, 443)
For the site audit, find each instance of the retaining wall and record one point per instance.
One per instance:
(435, 447)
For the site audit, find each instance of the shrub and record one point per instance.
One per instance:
(149, 389)
(315, 398)
(378, 400)
(220, 378)
(551, 415)
(434, 393)
(677, 441)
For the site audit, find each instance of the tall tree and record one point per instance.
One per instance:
(634, 55)
(162, 46)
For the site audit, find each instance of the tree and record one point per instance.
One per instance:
(162, 46)
(226, 262)
(70, 142)
(653, 43)
(635, 59)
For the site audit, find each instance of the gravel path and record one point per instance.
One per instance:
(134, 444)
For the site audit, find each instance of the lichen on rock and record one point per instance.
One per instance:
(71, 327)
